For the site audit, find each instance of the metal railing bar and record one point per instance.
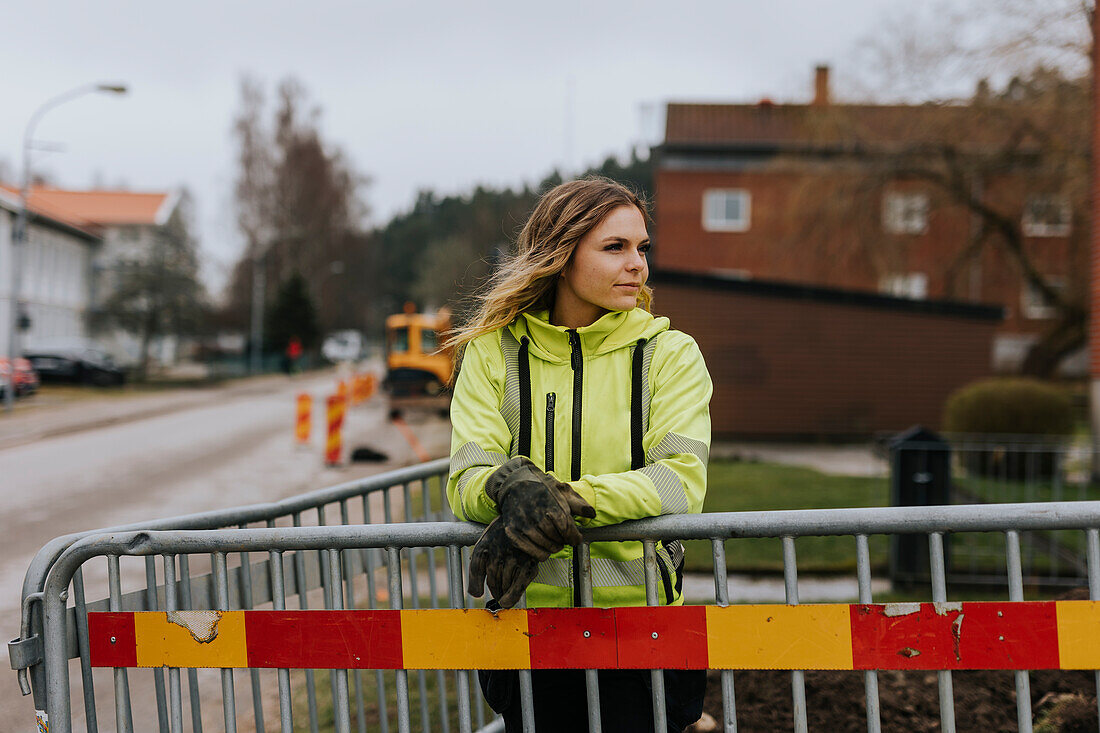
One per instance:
(870, 677)
(34, 579)
(798, 678)
(939, 595)
(349, 593)
(1016, 593)
(591, 676)
(87, 682)
(393, 567)
(193, 696)
(454, 589)
(370, 562)
(303, 604)
(649, 555)
(175, 694)
(722, 598)
(1092, 549)
(229, 701)
(278, 593)
(124, 719)
(158, 674)
(245, 585)
(414, 590)
(341, 707)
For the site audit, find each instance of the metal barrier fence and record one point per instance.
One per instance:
(956, 468)
(404, 495)
(346, 560)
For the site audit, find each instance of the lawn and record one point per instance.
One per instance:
(735, 486)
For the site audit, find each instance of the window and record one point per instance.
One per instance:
(428, 341)
(905, 213)
(1046, 215)
(726, 210)
(399, 340)
(914, 285)
(1034, 304)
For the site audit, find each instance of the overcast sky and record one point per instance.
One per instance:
(419, 94)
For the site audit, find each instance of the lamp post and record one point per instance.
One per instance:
(20, 237)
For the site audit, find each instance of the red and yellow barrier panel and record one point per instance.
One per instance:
(305, 418)
(924, 636)
(337, 406)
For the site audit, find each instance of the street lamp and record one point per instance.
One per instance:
(20, 238)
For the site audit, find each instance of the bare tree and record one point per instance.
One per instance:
(160, 294)
(1030, 124)
(298, 205)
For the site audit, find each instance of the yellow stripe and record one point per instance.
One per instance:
(1078, 634)
(190, 639)
(465, 639)
(779, 637)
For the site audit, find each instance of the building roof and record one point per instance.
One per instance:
(100, 208)
(844, 126)
(50, 215)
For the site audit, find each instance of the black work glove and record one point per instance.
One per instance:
(497, 561)
(537, 510)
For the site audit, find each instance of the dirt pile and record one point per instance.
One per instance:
(909, 701)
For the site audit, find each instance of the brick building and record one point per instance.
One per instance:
(806, 194)
(795, 361)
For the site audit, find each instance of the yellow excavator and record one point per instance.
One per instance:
(419, 364)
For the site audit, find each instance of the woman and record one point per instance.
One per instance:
(573, 403)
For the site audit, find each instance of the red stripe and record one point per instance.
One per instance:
(979, 636)
(680, 641)
(558, 638)
(324, 639)
(102, 628)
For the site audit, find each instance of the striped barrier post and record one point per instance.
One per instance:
(334, 445)
(305, 418)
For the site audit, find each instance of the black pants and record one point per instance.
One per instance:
(626, 701)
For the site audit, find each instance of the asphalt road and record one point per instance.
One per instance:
(219, 449)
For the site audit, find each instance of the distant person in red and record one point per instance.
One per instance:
(293, 353)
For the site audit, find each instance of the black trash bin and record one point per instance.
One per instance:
(920, 475)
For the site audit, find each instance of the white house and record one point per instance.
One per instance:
(56, 268)
(127, 224)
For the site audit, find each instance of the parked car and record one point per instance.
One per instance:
(79, 364)
(26, 379)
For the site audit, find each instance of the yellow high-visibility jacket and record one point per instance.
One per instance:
(569, 399)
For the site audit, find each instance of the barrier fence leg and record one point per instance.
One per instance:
(591, 676)
(454, 586)
(221, 590)
(192, 674)
(939, 595)
(657, 676)
(1016, 593)
(1092, 538)
(151, 604)
(393, 564)
(798, 677)
(870, 677)
(171, 604)
(124, 718)
(722, 598)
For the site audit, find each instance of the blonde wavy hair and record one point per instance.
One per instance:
(527, 280)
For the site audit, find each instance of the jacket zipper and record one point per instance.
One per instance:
(576, 359)
(551, 400)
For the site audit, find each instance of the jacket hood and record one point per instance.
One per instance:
(614, 330)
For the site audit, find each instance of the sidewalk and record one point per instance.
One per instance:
(841, 460)
(35, 418)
